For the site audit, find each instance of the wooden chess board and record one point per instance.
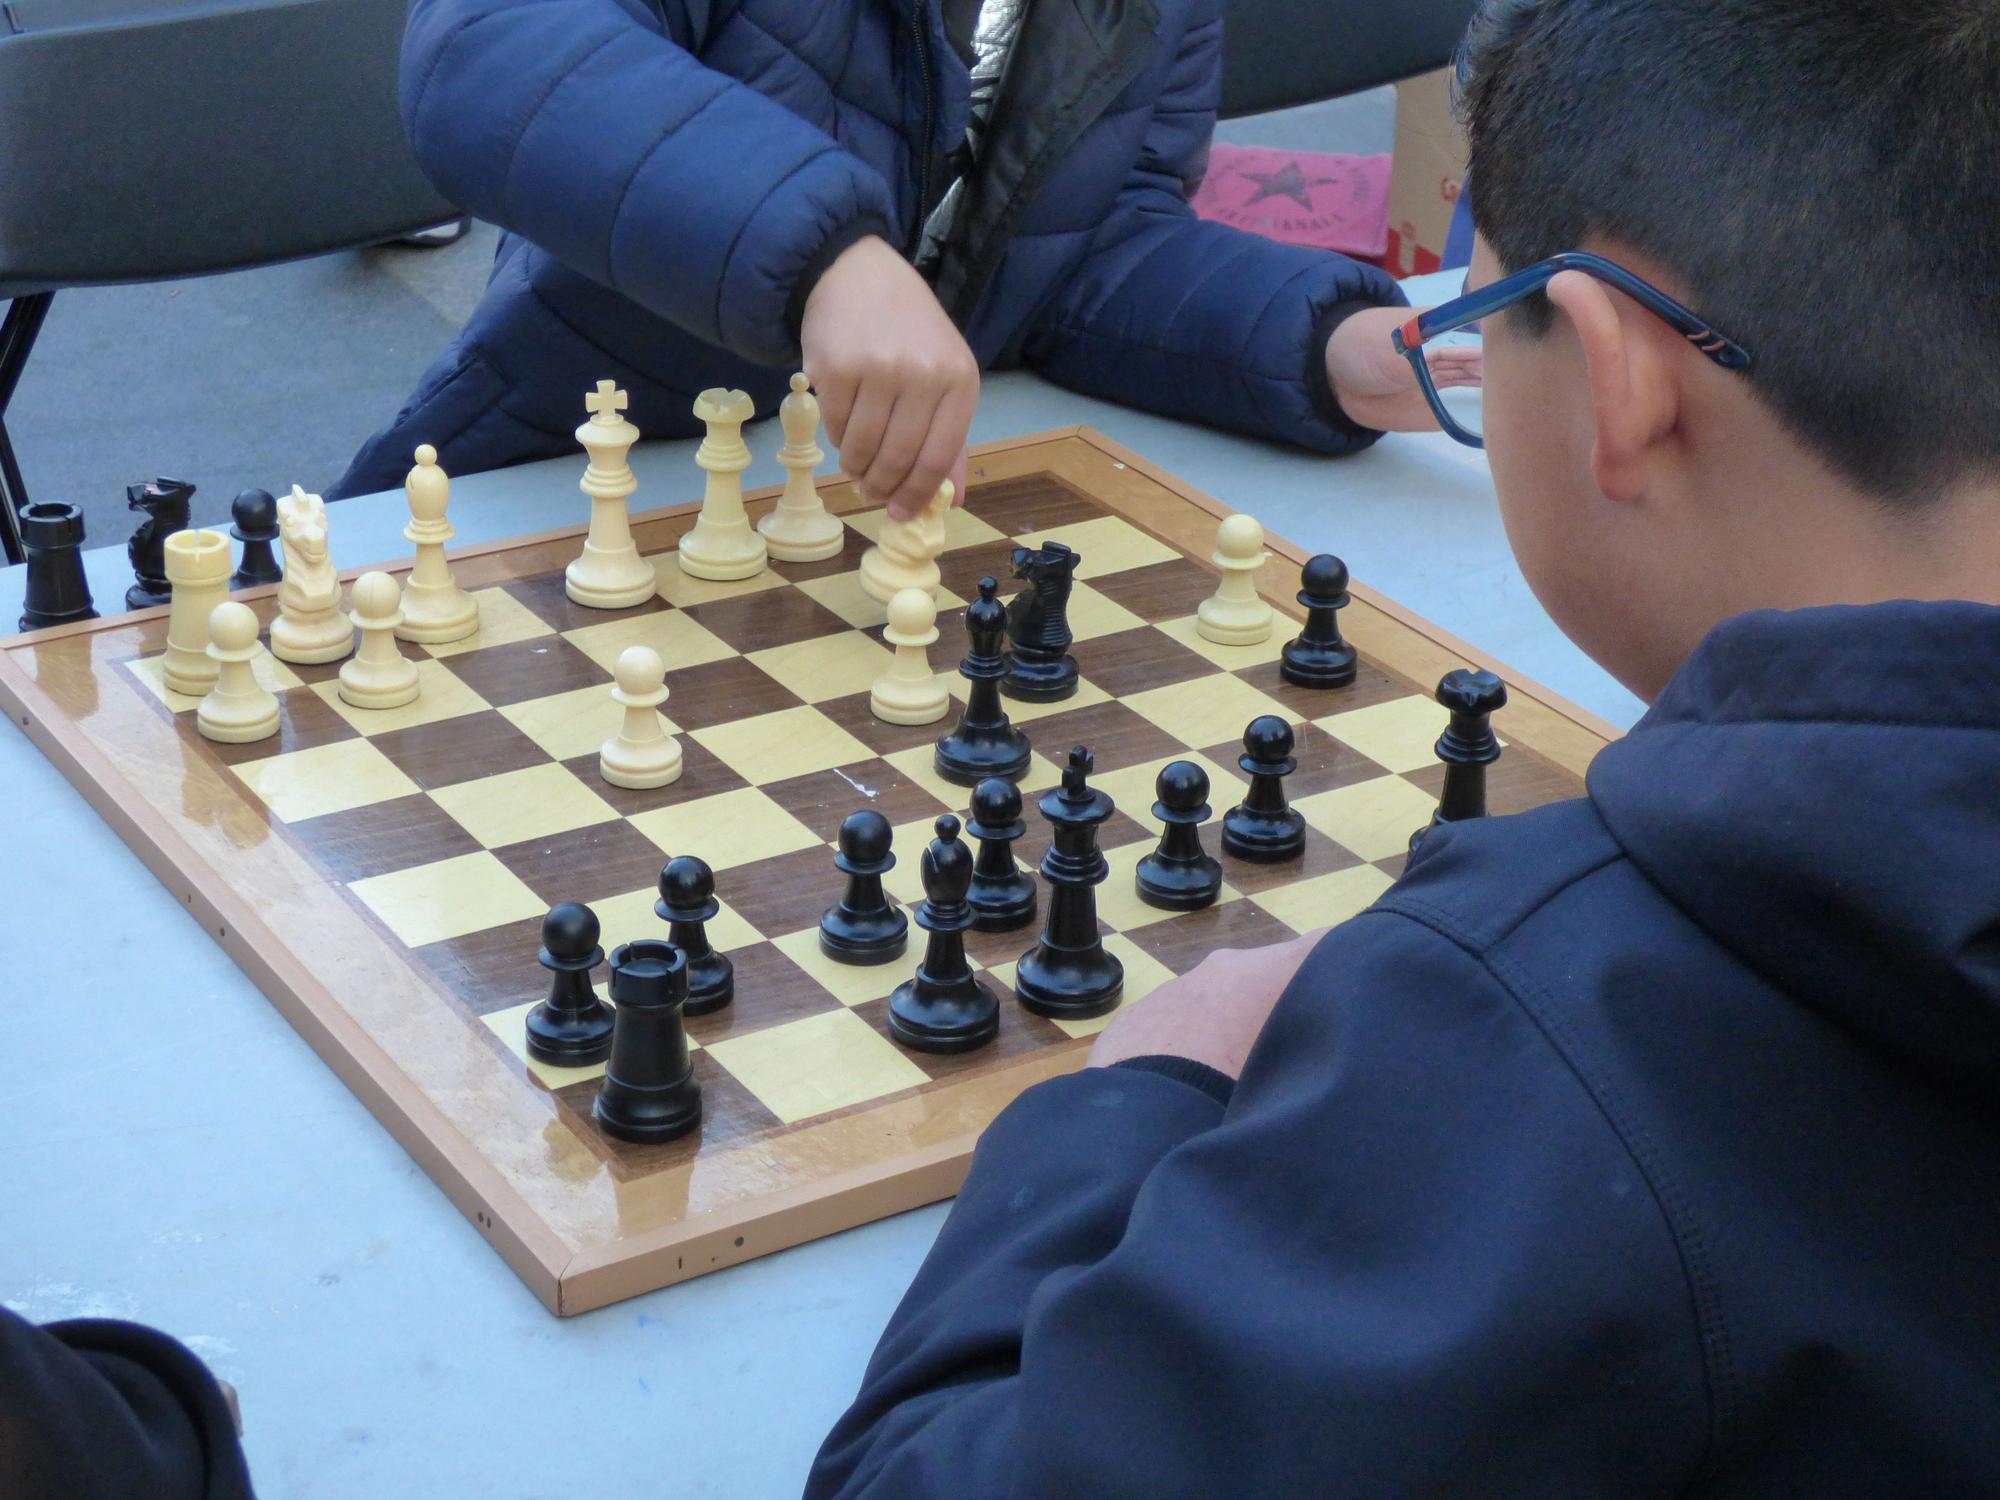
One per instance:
(382, 875)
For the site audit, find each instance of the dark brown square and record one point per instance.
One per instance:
(1371, 685)
(992, 949)
(1029, 503)
(547, 597)
(787, 892)
(702, 775)
(1324, 762)
(820, 800)
(717, 692)
(1322, 857)
(1186, 939)
(393, 835)
(961, 569)
(769, 617)
(538, 668)
(851, 713)
(1021, 1031)
(466, 748)
(1136, 661)
(1516, 782)
(585, 864)
(304, 720)
(494, 968)
(1115, 736)
(770, 990)
(1159, 591)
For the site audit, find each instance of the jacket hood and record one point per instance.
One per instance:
(1820, 791)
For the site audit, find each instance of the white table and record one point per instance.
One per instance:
(176, 1155)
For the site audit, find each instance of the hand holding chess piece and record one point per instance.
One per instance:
(906, 556)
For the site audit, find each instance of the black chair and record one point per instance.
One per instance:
(1279, 53)
(151, 142)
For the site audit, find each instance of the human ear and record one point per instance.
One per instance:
(1634, 401)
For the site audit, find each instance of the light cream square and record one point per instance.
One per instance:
(850, 984)
(822, 1063)
(726, 830)
(673, 633)
(1373, 818)
(1210, 710)
(825, 666)
(518, 805)
(270, 674)
(574, 723)
(1324, 900)
(325, 779)
(503, 620)
(440, 695)
(1233, 658)
(685, 589)
(1109, 544)
(448, 899)
(777, 746)
(1400, 734)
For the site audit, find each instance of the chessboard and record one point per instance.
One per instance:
(382, 875)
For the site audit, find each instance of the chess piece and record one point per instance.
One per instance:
(165, 504)
(1180, 875)
(197, 564)
(435, 608)
(944, 1008)
(238, 709)
(642, 754)
(649, 1093)
(1467, 746)
(1069, 975)
(255, 517)
(609, 573)
(1002, 896)
(378, 675)
(572, 1028)
(57, 592)
(1319, 658)
(984, 743)
(1263, 827)
(687, 901)
(1039, 666)
(723, 545)
(310, 627)
(1236, 614)
(799, 529)
(906, 555)
(910, 692)
(863, 928)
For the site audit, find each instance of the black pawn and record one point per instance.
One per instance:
(984, 743)
(1069, 975)
(1262, 827)
(1467, 746)
(649, 1093)
(687, 900)
(944, 1008)
(1319, 658)
(863, 928)
(165, 503)
(1180, 875)
(572, 1027)
(256, 517)
(1003, 894)
(57, 592)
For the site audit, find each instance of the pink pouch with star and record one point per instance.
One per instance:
(1327, 202)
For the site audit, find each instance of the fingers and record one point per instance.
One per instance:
(889, 478)
(1457, 366)
(941, 455)
(958, 477)
(869, 419)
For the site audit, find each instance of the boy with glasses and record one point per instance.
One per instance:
(1645, 1144)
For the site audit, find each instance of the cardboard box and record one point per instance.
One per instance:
(1429, 165)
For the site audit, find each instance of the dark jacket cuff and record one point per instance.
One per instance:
(1324, 401)
(1196, 1075)
(830, 250)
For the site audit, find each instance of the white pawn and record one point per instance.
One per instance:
(910, 692)
(238, 709)
(800, 529)
(1236, 614)
(377, 675)
(435, 609)
(642, 754)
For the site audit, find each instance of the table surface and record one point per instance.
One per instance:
(180, 1157)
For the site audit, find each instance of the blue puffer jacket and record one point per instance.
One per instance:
(675, 175)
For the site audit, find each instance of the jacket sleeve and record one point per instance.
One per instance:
(96, 1409)
(1410, 1259)
(588, 127)
(1196, 320)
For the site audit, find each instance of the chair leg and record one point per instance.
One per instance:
(17, 337)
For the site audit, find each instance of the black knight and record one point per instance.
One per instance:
(165, 502)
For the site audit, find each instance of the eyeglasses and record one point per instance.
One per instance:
(1458, 409)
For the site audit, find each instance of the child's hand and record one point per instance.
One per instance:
(1213, 1013)
(1376, 386)
(896, 383)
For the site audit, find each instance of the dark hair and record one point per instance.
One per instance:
(1824, 176)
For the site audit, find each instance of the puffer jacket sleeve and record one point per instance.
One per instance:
(1197, 320)
(589, 127)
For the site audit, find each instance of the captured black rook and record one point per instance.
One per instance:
(572, 1027)
(944, 1008)
(1003, 894)
(687, 901)
(1319, 658)
(1263, 826)
(57, 592)
(1467, 746)
(1180, 875)
(863, 928)
(649, 1093)
(1069, 975)
(255, 515)
(983, 743)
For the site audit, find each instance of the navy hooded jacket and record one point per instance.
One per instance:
(1643, 1145)
(675, 175)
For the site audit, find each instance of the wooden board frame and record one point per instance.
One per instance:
(573, 1272)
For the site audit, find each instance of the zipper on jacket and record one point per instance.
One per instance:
(919, 14)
